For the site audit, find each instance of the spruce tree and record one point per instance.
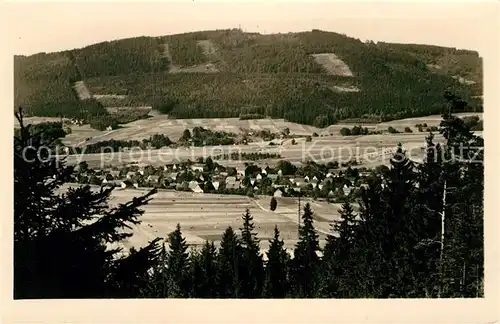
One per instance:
(63, 238)
(228, 265)
(463, 259)
(252, 265)
(177, 264)
(204, 272)
(306, 261)
(276, 283)
(339, 252)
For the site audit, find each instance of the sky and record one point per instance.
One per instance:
(46, 27)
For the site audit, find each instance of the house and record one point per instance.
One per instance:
(258, 177)
(115, 174)
(299, 182)
(233, 185)
(272, 177)
(255, 188)
(252, 181)
(141, 171)
(314, 183)
(280, 173)
(306, 178)
(174, 167)
(278, 193)
(117, 183)
(230, 179)
(263, 171)
(329, 175)
(346, 190)
(153, 178)
(315, 178)
(195, 187)
(216, 184)
(198, 167)
(331, 193)
(240, 172)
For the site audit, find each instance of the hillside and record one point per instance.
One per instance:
(311, 77)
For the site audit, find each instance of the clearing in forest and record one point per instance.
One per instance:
(332, 64)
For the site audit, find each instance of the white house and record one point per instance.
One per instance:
(216, 185)
(346, 190)
(240, 172)
(263, 171)
(233, 185)
(258, 177)
(153, 178)
(280, 173)
(278, 193)
(197, 167)
(306, 178)
(230, 179)
(195, 187)
(252, 181)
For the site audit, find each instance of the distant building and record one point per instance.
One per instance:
(233, 185)
(153, 178)
(278, 193)
(198, 167)
(195, 187)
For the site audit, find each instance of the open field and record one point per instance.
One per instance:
(330, 145)
(206, 216)
(173, 128)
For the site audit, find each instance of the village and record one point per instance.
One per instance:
(324, 181)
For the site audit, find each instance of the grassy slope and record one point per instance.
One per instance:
(267, 74)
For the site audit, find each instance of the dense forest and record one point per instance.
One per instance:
(418, 234)
(271, 75)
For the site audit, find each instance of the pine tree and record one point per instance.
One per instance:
(177, 264)
(276, 283)
(228, 265)
(339, 252)
(252, 265)
(62, 242)
(463, 260)
(306, 261)
(204, 272)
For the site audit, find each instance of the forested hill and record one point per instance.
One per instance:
(313, 77)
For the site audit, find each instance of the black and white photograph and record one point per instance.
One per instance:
(253, 150)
